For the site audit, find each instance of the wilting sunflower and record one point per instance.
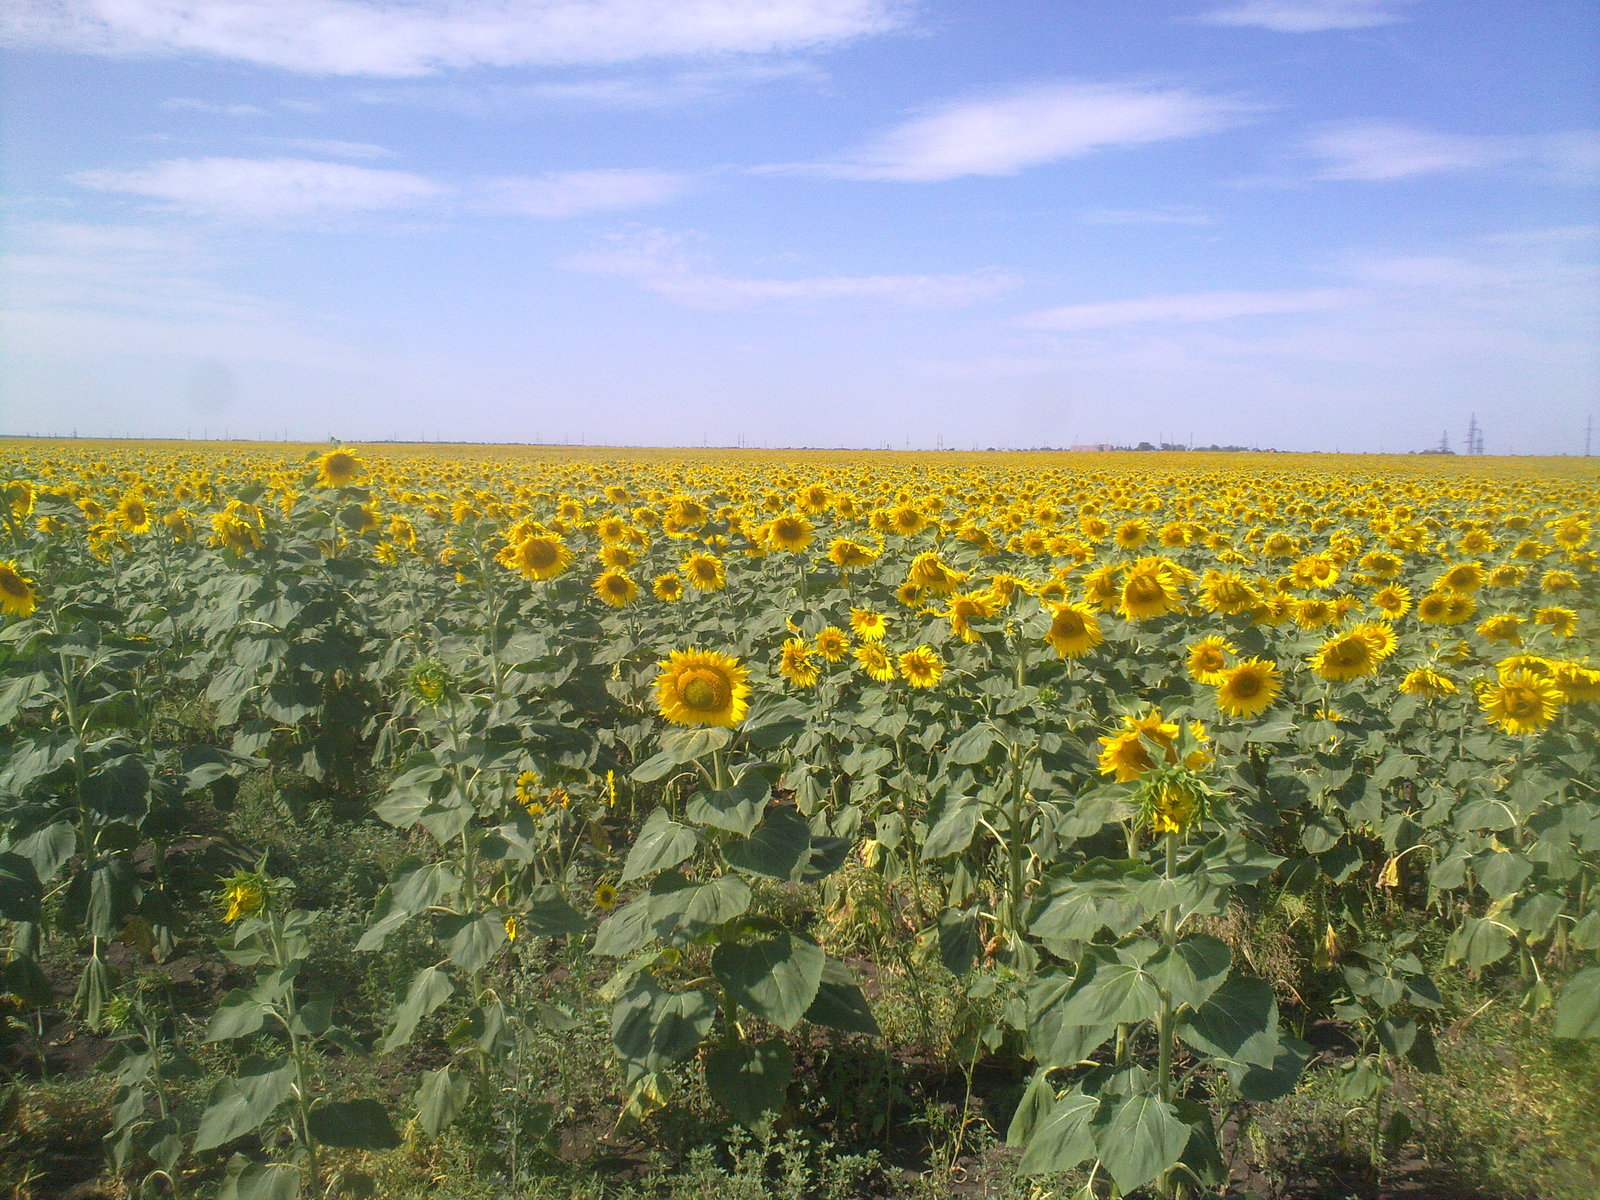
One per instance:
(17, 597)
(1563, 622)
(1502, 629)
(1227, 593)
(1428, 683)
(966, 607)
(1208, 659)
(540, 556)
(922, 667)
(618, 558)
(1249, 688)
(795, 665)
(1151, 589)
(243, 895)
(1506, 575)
(667, 587)
(930, 574)
(1074, 629)
(869, 626)
(1558, 581)
(702, 687)
(616, 588)
(705, 572)
(1314, 612)
(843, 552)
(338, 468)
(833, 643)
(1345, 656)
(874, 660)
(1521, 702)
(1576, 682)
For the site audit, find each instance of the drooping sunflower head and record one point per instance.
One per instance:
(244, 894)
(1427, 683)
(868, 625)
(1563, 622)
(338, 468)
(795, 663)
(1502, 629)
(1462, 577)
(702, 687)
(1151, 589)
(930, 574)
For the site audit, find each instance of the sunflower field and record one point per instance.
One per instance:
(495, 821)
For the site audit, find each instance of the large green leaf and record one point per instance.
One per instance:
(1578, 1006)
(737, 809)
(441, 1098)
(1113, 992)
(1260, 1085)
(840, 1003)
(1064, 1138)
(418, 886)
(1193, 969)
(662, 843)
(472, 940)
(775, 975)
(241, 1104)
(260, 1181)
(680, 911)
(953, 831)
(430, 987)
(749, 1081)
(547, 913)
(240, 1013)
(652, 1028)
(1056, 1043)
(1143, 1138)
(778, 848)
(1239, 1022)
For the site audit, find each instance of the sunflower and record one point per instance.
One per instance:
(1502, 629)
(1576, 682)
(907, 521)
(875, 661)
(1074, 629)
(705, 572)
(1174, 804)
(1249, 688)
(1428, 683)
(1558, 581)
(616, 588)
(964, 608)
(1506, 575)
(540, 556)
(1131, 535)
(869, 626)
(243, 895)
(1463, 577)
(132, 514)
(702, 687)
(1563, 622)
(618, 558)
(1434, 608)
(843, 552)
(833, 643)
(1393, 601)
(930, 574)
(338, 468)
(1521, 702)
(1345, 656)
(1151, 589)
(1208, 659)
(1126, 753)
(605, 897)
(791, 532)
(922, 667)
(795, 665)
(667, 587)
(17, 597)
(1227, 593)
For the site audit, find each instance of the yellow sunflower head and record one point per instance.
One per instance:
(1249, 688)
(338, 468)
(702, 687)
(17, 597)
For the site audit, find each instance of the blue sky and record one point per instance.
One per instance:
(1308, 224)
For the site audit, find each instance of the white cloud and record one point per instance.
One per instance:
(569, 193)
(1005, 134)
(190, 104)
(381, 37)
(1378, 151)
(333, 147)
(661, 262)
(268, 188)
(1308, 16)
(1186, 308)
(1145, 216)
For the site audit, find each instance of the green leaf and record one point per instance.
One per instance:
(1143, 1139)
(1501, 872)
(1056, 1043)
(749, 1080)
(973, 746)
(687, 745)
(1239, 1022)
(1478, 941)
(775, 976)
(662, 843)
(737, 809)
(1064, 1138)
(840, 1003)
(241, 1105)
(419, 886)
(653, 1028)
(441, 1098)
(1260, 1085)
(20, 891)
(352, 1125)
(625, 930)
(472, 940)
(547, 914)
(952, 833)
(239, 1014)
(1577, 1012)
(681, 911)
(260, 1181)
(1112, 993)
(430, 987)
(1193, 969)
(778, 849)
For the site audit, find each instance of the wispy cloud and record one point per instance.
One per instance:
(1186, 308)
(211, 108)
(1005, 134)
(1378, 151)
(1308, 16)
(1145, 216)
(367, 37)
(268, 188)
(332, 148)
(569, 193)
(662, 262)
